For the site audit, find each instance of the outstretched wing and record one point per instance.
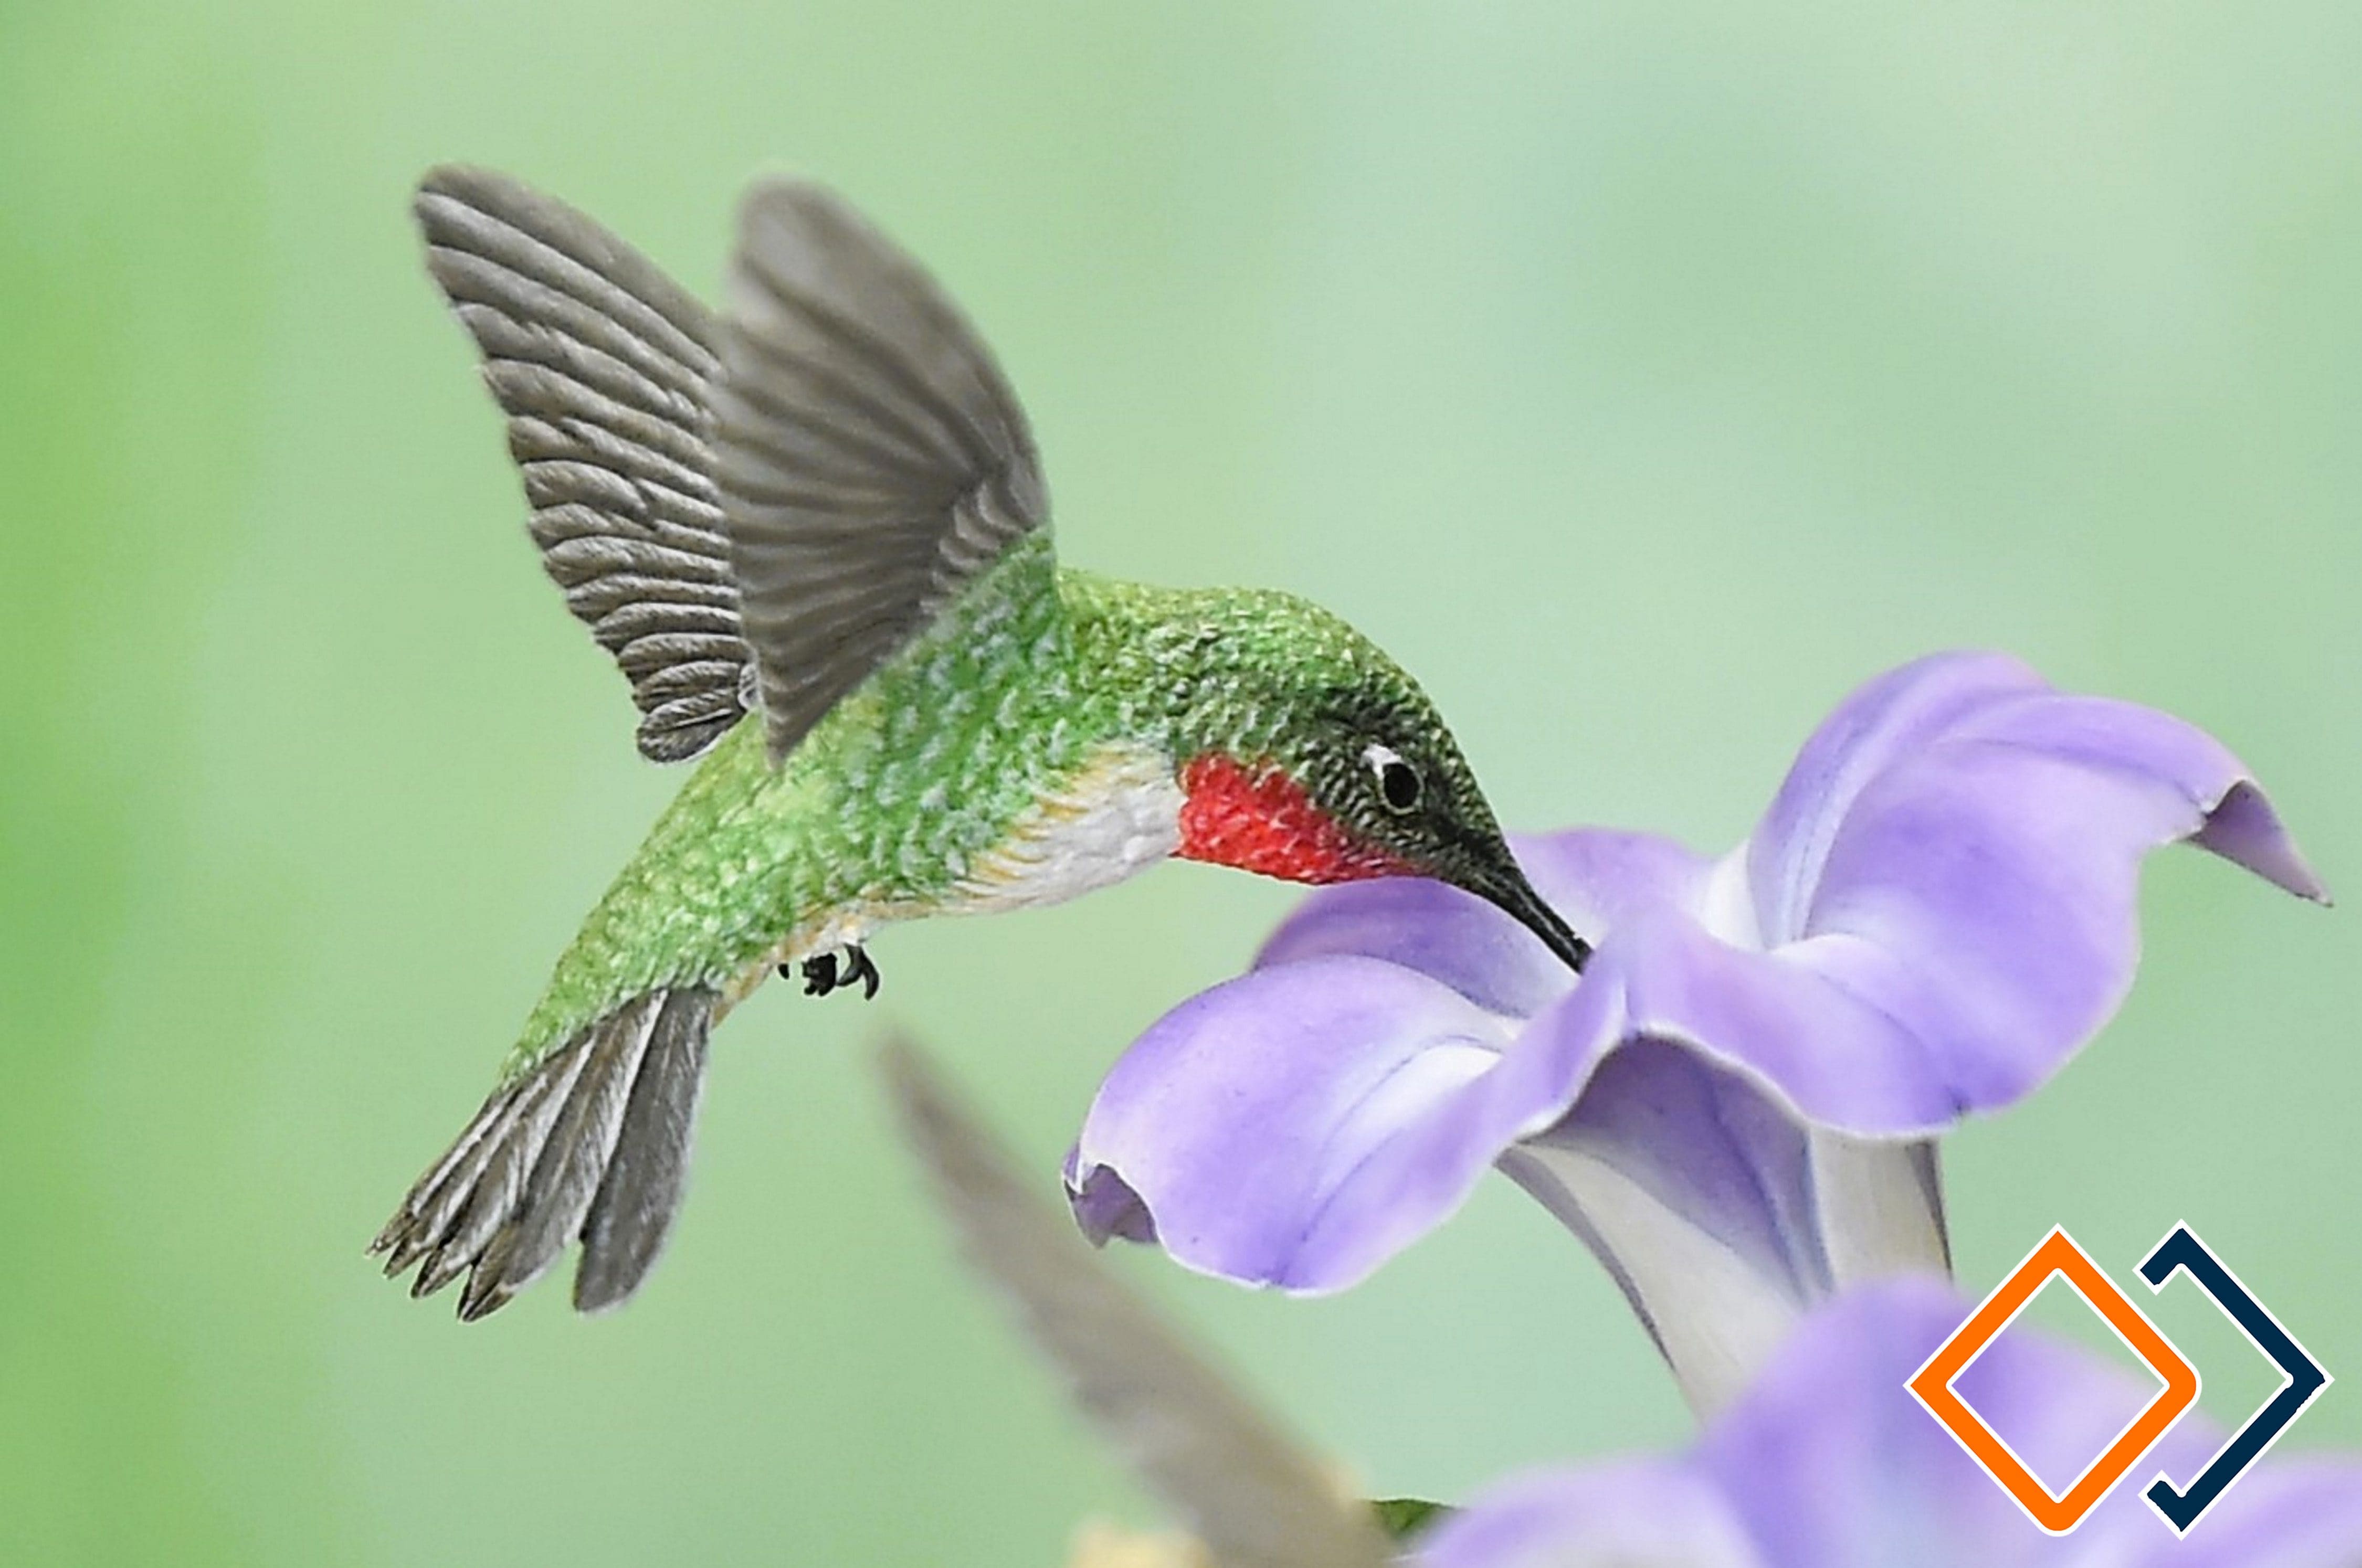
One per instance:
(604, 368)
(872, 459)
(1241, 1484)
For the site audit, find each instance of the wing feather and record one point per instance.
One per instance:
(1242, 1483)
(604, 368)
(872, 459)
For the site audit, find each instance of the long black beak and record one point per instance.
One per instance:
(1508, 890)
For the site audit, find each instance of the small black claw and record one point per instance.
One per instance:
(863, 970)
(822, 974)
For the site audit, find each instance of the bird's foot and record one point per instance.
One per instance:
(823, 975)
(863, 970)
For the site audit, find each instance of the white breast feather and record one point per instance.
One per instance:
(1118, 815)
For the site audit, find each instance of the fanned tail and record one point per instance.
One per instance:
(592, 1142)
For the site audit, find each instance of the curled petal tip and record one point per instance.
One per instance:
(1106, 1208)
(2244, 829)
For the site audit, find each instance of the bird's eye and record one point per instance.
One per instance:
(1398, 784)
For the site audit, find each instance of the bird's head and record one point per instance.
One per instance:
(1305, 753)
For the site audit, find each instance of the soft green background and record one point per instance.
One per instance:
(1642, 374)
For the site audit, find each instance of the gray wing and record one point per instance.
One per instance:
(873, 460)
(604, 368)
(1250, 1494)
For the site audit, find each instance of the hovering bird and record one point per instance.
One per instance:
(813, 533)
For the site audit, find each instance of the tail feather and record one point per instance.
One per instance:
(566, 1170)
(641, 1191)
(428, 1209)
(492, 1198)
(592, 1142)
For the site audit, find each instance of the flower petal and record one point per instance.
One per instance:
(1595, 878)
(1885, 719)
(1297, 1126)
(1106, 1208)
(1431, 927)
(1958, 848)
(1602, 879)
(2243, 828)
(2223, 810)
(1835, 1466)
(1814, 1044)
(1634, 1514)
(2301, 1514)
(1985, 896)
(1828, 1462)
(1300, 1125)
(1937, 909)
(1960, 698)
(1722, 1216)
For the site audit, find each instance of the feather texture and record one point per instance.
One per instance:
(592, 1142)
(604, 368)
(872, 459)
(642, 1190)
(1242, 1486)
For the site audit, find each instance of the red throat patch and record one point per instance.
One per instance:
(1260, 820)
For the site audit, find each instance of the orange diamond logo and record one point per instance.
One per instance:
(1932, 1383)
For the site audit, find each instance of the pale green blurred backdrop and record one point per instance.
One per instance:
(1643, 375)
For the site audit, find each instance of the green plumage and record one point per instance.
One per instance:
(1032, 674)
(814, 536)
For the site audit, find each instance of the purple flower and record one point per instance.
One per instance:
(1736, 1107)
(1827, 1462)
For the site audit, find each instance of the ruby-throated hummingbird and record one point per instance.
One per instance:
(813, 533)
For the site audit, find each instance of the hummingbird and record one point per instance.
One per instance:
(811, 530)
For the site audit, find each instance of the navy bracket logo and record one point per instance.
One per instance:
(2181, 1252)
